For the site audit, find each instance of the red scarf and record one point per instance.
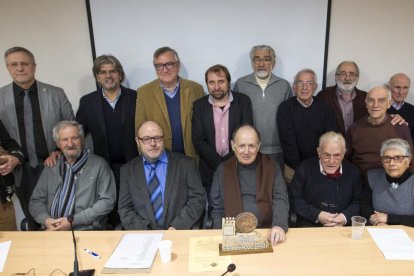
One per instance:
(265, 177)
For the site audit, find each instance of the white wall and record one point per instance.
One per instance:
(205, 33)
(57, 33)
(377, 35)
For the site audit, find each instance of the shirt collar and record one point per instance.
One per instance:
(19, 90)
(339, 93)
(175, 88)
(116, 98)
(211, 100)
(302, 104)
(162, 159)
(397, 106)
(323, 172)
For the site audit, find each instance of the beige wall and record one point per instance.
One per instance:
(377, 34)
(56, 31)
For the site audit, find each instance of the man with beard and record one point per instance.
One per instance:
(266, 91)
(108, 115)
(215, 117)
(347, 101)
(80, 185)
(399, 84)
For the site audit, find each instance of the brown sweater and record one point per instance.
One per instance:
(364, 142)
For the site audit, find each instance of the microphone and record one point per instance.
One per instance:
(230, 268)
(76, 272)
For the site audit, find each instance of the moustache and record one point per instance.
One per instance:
(71, 148)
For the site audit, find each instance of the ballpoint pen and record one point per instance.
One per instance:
(93, 254)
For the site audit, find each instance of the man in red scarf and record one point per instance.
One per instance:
(250, 182)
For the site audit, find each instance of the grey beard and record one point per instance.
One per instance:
(345, 89)
(263, 74)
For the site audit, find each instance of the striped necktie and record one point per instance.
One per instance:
(154, 188)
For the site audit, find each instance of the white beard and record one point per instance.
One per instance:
(346, 88)
(262, 74)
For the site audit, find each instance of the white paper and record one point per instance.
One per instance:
(395, 244)
(4, 251)
(135, 251)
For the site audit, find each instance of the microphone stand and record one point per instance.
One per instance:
(76, 272)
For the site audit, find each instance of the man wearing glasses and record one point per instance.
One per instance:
(168, 101)
(29, 109)
(325, 190)
(267, 92)
(159, 189)
(303, 119)
(108, 115)
(365, 136)
(347, 101)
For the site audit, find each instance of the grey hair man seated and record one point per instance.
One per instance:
(80, 185)
(250, 182)
(325, 190)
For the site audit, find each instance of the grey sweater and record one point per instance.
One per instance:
(265, 104)
(387, 200)
(95, 193)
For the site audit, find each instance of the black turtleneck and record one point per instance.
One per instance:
(399, 180)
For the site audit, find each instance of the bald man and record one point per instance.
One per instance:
(250, 182)
(159, 189)
(365, 136)
(399, 84)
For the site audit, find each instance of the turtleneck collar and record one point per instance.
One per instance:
(398, 180)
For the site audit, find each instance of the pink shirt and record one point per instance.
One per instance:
(347, 108)
(221, 126)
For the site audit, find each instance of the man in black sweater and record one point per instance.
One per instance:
(303, 119)
(399, 84)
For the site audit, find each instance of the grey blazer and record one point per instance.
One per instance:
(184, 198)
(54, 107)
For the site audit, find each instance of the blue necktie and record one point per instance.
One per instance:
(154, 188)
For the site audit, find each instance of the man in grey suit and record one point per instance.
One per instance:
(29, 110)
(159, 189)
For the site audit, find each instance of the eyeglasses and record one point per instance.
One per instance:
(350, 75)
(396, 159)
(266, 59)
(110, 72)
(147, 140)
(303, 84)
(168, 66)
(327, 156)
(14, 65)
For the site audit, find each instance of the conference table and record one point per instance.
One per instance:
(307, 251)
